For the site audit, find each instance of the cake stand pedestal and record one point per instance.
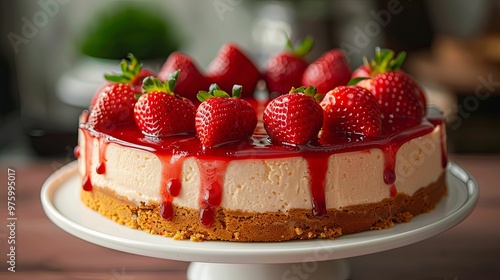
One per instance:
(331, 270)
(215, 260)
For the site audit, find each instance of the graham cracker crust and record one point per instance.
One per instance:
(230, 225)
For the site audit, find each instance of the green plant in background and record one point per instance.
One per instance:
(129, 29)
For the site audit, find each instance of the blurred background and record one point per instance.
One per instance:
(53, 54)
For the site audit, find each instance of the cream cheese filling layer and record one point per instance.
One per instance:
(263, 185)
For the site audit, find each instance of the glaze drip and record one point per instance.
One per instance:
(317, 170)
(170, 185)
(211, 181)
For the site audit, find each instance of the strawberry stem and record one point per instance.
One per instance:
(172, 80)
(215, 91)
(236, 92)
(151, 84)
(384, 61)
(213, 87)
(301, 48)
(129, 69)
(309, 91)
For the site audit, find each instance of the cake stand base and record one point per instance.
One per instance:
(324, 270)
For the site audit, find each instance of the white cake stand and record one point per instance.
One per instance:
(314, 259)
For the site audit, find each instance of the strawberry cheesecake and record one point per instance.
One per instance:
(308, 163)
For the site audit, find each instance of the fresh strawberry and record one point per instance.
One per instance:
(382, 62)
(401, 99)
(114, 106)
(221, 118)
(113, 103)
(284, 70)
(294, 118)
(350, 112)
(190, 79)
(328, 71)
(159, 112)
(231, 66)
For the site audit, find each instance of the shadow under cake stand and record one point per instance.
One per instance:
(218, 260)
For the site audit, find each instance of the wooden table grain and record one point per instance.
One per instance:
(470, 250)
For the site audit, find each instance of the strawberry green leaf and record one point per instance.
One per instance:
(129, 70)
(386, 56)
(172, 80)
(309, 91)
(124, 68)
(215, 91)
(319, 97)
(384, 61)
(398, 62)
(213, 87)
(377, 58)
(236, 92)
(354, 81)
(151, 84)
(304, 47)
(301, 48)
(220, 93)
(289, 44)
(366, 62)
(203, 95)
(297, 90)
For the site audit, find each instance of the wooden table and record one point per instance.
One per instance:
(471, 250)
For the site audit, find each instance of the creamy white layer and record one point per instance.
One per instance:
(257, 185)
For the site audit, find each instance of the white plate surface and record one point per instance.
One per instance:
(61, 202)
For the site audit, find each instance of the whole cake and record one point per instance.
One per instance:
(193, 155)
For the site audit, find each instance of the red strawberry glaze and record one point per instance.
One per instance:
(101, 168)
(87, 183)
(170, 185)
(213, 162)
(211, 180)
(317, 169)
(444, 154)
(436, 118)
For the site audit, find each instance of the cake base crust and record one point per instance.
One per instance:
(230, 225)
